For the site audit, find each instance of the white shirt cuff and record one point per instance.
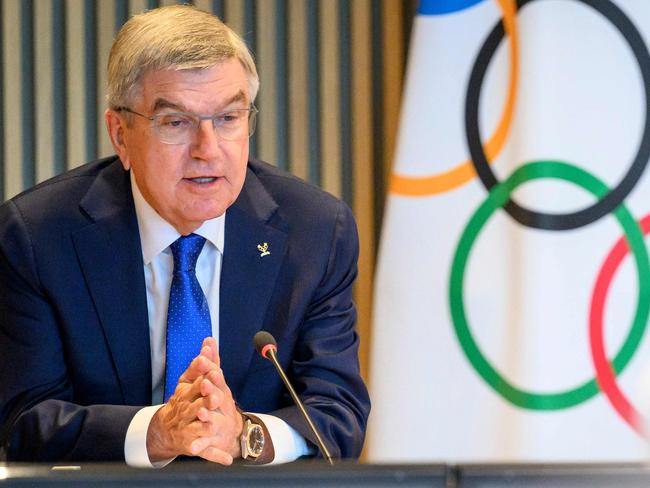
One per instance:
(135, 444)
(288, 444)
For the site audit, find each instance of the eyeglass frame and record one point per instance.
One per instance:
(252, 112)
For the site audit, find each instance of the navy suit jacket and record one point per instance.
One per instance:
(74, 338)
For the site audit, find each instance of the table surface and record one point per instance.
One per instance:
(318, 473)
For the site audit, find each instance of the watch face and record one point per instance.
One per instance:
(256, 440)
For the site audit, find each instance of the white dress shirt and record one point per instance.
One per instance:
(156, 235)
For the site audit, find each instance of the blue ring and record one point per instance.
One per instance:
(441, 7)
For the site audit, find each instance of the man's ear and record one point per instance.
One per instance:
(116, 125)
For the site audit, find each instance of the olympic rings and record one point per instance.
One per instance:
(464, 172)
(604, 375)
(609, 201)
(498, 196)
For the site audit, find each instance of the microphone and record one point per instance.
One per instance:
(267, 347)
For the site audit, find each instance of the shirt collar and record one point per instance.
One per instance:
(156, 234)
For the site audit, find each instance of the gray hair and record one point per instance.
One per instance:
(176, 37)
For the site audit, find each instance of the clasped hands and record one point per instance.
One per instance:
(200, 418)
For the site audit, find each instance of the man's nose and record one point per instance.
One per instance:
(207, 142)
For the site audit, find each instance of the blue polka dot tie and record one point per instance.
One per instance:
(188, 316)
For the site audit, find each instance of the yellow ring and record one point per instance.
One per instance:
(417, 186)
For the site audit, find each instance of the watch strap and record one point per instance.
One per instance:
(268, 453)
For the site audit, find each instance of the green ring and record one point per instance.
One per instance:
(498, 197)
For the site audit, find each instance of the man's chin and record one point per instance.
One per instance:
(196, 219)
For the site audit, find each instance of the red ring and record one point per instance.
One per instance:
(605, 375)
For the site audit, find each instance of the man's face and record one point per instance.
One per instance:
(198, 180)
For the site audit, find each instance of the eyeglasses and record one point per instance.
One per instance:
(181, 127)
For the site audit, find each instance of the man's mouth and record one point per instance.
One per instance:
(203, 179)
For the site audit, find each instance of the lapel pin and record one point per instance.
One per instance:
(263, 249)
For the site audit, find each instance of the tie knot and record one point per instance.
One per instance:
(186, 250)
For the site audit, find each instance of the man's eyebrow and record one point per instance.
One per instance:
(161, 103)
(238, 97)
(164, 103)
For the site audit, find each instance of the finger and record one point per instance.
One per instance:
(214, 382)
(203, 361)
(199, 366)
(200, 391)
(226, 402)
(206, 387)
(211, 416)
(200, 444)
(213, 402)
(195, 420)
(224, 420)
(217, 379)
(216, 456)
(213, 397)
(184, 392)
(207, 351)
(187, 398)
(200, 430)
(211, 343)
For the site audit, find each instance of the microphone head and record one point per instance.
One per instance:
(264, 342)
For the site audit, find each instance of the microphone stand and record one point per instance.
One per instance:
(271, 354)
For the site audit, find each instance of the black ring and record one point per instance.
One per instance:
(613, 199)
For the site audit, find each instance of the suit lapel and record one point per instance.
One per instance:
(110, 255)
(248, 276)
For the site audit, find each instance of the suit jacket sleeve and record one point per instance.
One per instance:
(325, 366)
(40, 417)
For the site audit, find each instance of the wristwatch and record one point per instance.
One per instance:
(252, 439)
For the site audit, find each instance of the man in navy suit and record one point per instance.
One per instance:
(87, 264)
